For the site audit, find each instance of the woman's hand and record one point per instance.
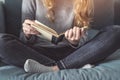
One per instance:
(28, 30)
(74, 35)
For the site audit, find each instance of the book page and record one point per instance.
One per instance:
(41, 27)
(45, 27)
(45, 34)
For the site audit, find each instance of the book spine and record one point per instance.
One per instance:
(56, 40)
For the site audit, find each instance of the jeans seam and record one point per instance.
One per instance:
(63, 64)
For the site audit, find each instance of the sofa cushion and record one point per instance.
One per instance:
(117, 12)
(13, 16)
(103, 71)
(103, 13)
(2, 19)
(107, 70)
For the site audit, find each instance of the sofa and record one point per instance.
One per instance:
(107, 12)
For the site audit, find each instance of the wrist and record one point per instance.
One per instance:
(28, 36)
(74, 45)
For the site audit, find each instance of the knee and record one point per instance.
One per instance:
(114, 28)
(113, 31)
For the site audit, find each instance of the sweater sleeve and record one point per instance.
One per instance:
(28, 12)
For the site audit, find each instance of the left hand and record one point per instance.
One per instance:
(74, 35)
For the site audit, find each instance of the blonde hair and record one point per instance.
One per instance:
(83, 10)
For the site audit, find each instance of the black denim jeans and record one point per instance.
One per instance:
(13, 51)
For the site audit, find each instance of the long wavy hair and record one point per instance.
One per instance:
(83, 11)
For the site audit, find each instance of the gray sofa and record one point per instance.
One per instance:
(107, 12)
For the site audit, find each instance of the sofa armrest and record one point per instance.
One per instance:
(2, 22)
(2, 19)
(117, 12)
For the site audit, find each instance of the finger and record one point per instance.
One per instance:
(66, 34)
(31, 32)
(26, 27)
(27, 21)
(70, 33)
(33, 29)
(78, 33)
(35, 32)
(82, 31)
(74, 33)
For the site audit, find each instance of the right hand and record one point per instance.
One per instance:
(74, 35)
(28, 30)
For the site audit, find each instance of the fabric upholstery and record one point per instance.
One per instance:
(103, 13)
(2, 19)
(106, 14)
(117, 12)
(13, 16)
(107, 70)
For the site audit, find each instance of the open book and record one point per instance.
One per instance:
(47, 32)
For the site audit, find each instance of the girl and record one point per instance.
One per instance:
(76, 49)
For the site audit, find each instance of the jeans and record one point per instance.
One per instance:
(15, 52)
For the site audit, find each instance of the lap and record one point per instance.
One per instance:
(15, 52)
